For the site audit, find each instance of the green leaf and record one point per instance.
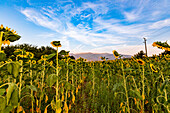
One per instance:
(9, 92)
(51, 56)
(13, 68)
(32, 87)
(128, 69)
(15, 97)
(8, 109)
(53, 105)
(137, 94)
(51, 79)
(164, 84)
(2, 91)
(16, 69)
(2, 56)
(2, 103)
(117, 85)
(9, 68)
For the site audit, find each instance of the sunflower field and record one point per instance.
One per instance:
(53, 85)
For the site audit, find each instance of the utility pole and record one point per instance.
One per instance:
(145, 46)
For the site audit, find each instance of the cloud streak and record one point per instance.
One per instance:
(97, 24)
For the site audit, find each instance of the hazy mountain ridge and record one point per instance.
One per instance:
(95, 56)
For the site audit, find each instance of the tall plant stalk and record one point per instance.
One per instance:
(32, 103)
(126, 92)
(1, 40)
(143, 89)
(20, 83)
(42, 83)
(57, 80)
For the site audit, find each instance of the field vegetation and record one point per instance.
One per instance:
(55, 82)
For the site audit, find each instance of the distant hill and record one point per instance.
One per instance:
(95, 56)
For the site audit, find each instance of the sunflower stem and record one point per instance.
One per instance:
(143, 89)
(126, 92)
(32, 103)
(20, 84)
(1, 40)
(57, 80)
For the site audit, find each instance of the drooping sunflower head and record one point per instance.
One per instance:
(154, 44)
(116, 54)
(30, 55)
(2, 26)
(44, 57)
(167, 57)
(8, 35)
(153, 68)
(140, 61)
(56, 44)
(34, 62)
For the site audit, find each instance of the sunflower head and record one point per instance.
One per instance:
(153, 68)
(44, 57)
(116, 54)
(34, 62)
(140, 61)
(8, 35)
(2, 26)
(30, 55)
(56, 44)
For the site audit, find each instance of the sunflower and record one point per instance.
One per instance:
(153, 68)
(9, 35)
(56, 44)
(167, 57)
(44, 57)
(140, 61)
(2, 26)
(6, 42)
(164, 46)
(116, 54)
(34, 62)
(1, 51)
(51, 63)
(154, 44)
(30, 55)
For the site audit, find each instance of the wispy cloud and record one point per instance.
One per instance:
(42, 20)
(97, 24)
(160, 24)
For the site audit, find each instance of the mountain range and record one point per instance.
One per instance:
(96, 56)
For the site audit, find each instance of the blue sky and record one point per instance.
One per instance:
(98, 26)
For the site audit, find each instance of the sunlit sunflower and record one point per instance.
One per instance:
(153, 68)
(28, 61)
(51, 63)
(6, 42)
(56, 44)
(1, 51)
(2, 26)
(30, 55)
(116, 54)
(167, 57)
(10, 60)
(44, 57)
(140, 61)
(154, 44)
(34, 62)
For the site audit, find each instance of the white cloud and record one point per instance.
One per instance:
(131, 16)
(128, 49)
(40, 19)
(160, 24)
(103, 31)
